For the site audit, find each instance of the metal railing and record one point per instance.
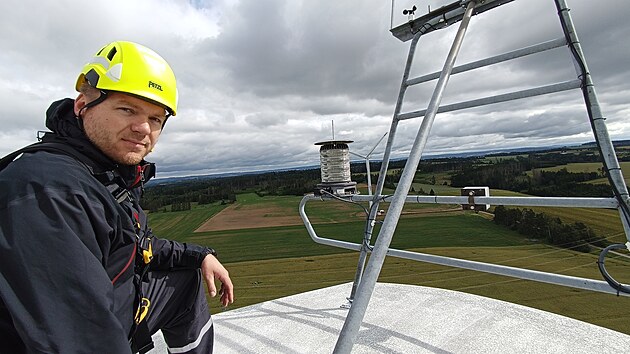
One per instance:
(462, 11)
(545, 277)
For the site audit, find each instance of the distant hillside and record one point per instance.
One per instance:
(616, 143)
(466, 154)
(516, 170)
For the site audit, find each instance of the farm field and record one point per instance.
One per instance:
(603, 221)
(588, 167)
(272, 261)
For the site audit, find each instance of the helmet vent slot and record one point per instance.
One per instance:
(111, 54)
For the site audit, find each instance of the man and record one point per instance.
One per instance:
(80, 270)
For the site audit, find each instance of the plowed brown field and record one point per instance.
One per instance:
(237, 216)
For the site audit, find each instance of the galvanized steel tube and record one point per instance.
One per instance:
(364, 292)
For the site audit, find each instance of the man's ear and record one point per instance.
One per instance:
(79, 104)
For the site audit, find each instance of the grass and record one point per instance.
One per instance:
(294, 241)
(269, 200)
(269, 263)
(180, 225)
(597, 308)
(587, 167)
(439, 189)
(258, 281)
(590, 167)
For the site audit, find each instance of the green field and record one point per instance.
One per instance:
(272, 262)
(591, 167)
(180, 225)
(603, 221)
(587, 167)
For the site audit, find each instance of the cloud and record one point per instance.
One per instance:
(261, 81)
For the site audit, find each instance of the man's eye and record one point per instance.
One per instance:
(127, 110)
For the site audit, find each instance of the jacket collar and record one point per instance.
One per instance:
(67, 128)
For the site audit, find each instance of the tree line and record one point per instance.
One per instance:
(512, 175)
(502, 172)
(174, 196)
(541, 226)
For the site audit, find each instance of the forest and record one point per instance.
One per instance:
(553, 231)
(530, 173)
(206, 190)
(522, 172)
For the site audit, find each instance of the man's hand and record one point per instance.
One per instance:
(212, 269)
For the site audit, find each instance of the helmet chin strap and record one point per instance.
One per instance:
(93, 103)
(100, 99)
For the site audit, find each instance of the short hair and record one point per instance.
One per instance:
(89, 91)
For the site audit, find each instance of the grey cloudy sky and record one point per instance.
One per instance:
(260, 81)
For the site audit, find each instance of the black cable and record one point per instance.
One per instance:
(584, 87)
(345, 200)
(609, 279)
(367, 235)
(625, 211)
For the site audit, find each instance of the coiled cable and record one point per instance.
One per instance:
(609, 279)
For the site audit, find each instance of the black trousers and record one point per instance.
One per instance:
(177, 305)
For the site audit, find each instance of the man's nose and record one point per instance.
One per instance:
(141, 126)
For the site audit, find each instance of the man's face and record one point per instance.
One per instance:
(125, 128)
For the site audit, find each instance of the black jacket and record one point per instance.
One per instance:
(68, 258)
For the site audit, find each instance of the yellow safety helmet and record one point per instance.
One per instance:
(134, 69)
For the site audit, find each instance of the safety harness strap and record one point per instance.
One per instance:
(108, 178)
(141, 340)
